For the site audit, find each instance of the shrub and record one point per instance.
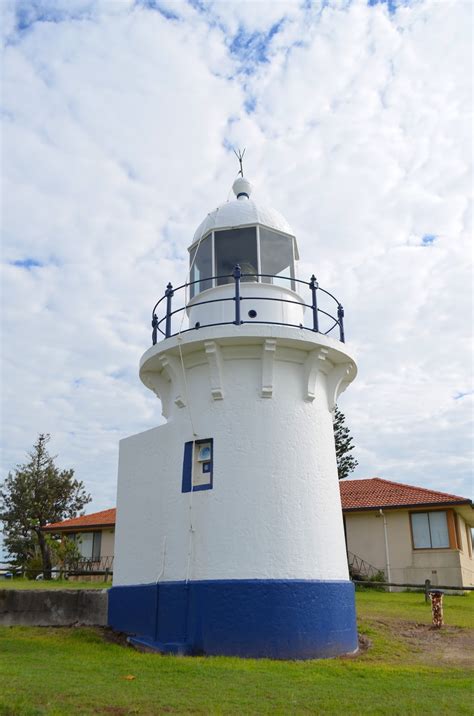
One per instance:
(33, 566)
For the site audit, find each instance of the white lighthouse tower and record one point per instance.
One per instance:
(229, 534)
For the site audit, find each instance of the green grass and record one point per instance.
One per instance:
(20, 583)
(56, 672)
(458, 610)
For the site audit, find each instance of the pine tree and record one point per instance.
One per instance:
(346, 463)
(34, 495)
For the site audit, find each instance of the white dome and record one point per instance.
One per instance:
(242, 187)
(242, 212)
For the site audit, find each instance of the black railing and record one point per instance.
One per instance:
(358, 567)
(166, 304)
(90, 565)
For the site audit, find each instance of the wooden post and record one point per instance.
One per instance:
(436, 597)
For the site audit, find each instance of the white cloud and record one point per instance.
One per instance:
(115, 126)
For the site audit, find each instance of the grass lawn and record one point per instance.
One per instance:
(21, 583)
(458, 610)
(408, 669)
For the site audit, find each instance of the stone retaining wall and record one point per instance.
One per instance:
(41, 607)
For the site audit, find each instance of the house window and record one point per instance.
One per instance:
(96, 545)
(197, 465)
(458, 531)
(89, 544)
(430, 530)
(469, 540)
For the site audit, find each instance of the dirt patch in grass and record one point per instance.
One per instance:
(364, 644)
(448, 645)
(113, 637)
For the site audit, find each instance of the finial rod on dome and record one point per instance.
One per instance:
(240, 157)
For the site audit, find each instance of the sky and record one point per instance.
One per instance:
(119, 119)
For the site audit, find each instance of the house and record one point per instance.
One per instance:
(409, 533)
(94, 535)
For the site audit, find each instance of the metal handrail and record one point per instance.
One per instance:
(237, 277)
(360, 566)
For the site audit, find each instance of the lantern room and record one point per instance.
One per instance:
(258, 240)
(242, 270)
(240, 232)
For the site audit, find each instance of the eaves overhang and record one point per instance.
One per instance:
(79, 528)
(410, 506)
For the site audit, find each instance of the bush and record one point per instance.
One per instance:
(33, 566)
(377, 577)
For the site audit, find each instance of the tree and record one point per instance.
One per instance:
(64, 551)
(346, 463)
(34, 495)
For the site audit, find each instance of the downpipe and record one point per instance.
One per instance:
(387, 553)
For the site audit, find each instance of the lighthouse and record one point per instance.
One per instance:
(230, 536)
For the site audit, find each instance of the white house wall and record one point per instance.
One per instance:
(365, 538)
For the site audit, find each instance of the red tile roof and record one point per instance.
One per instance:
(106, 518)
(375, 493)
(369, 494)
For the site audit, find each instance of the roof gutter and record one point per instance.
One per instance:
(79, 528)
(372, 508)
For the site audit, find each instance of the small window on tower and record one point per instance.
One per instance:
(197, 465)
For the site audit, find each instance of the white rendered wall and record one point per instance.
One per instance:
(276, 310)
(274, 511)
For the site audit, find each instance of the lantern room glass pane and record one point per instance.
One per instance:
(236, 246)
(276, 256)
(201, 266)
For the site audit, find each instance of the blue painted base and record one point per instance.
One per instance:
(252, 618)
